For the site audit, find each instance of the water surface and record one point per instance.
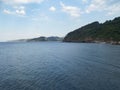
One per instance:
(59, 66)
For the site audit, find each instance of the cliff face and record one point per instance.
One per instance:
(108, 31)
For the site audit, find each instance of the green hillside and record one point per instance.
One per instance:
(108, 32)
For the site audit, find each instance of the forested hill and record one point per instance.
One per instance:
(108, 32)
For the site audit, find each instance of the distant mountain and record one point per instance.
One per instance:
(42, 38)
(108, 32)
(54, 38)
(38, 39)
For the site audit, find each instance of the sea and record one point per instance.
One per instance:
(59, 66)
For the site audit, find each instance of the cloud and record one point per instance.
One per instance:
(71, 10)
(110, 7)
(17, 11)
(21, 1)
(52, 8)
(20, 10)
(96, 5)
(7, 11)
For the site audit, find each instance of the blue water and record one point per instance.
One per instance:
(59, 66)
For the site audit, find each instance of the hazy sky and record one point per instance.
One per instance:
(34, 18)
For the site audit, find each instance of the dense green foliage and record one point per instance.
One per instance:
(108, 31)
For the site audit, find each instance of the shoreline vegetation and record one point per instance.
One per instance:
(106, 33)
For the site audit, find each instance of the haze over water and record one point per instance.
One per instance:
(59, 66)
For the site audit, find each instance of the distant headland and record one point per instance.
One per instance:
(107, 32)
(42, 38)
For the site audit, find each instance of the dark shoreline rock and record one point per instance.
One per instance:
(103, 42)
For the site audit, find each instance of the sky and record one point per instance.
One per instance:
(21, 19)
